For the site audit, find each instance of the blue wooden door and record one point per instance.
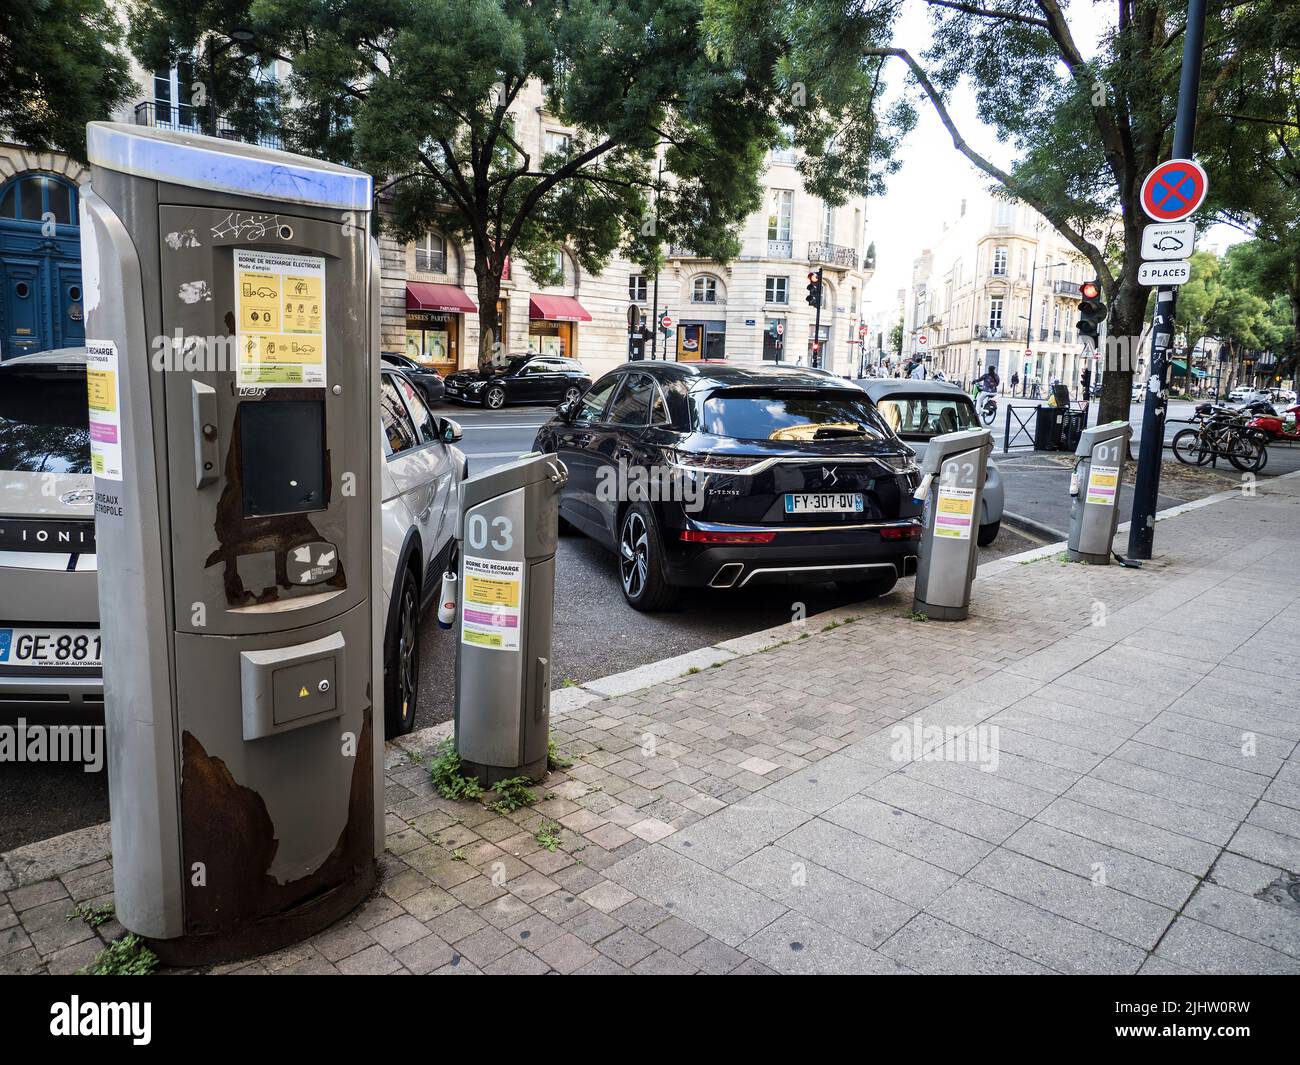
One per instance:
(40, 266)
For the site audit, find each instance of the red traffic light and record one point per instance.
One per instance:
(812, 277)
(1090, 290)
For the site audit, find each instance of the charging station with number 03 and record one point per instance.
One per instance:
(232, 294)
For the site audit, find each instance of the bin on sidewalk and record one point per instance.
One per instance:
(1057, 428)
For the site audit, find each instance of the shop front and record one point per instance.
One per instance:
(553, 325)
(701, 340)
(434, 324)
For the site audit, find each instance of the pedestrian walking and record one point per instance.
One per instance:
(1015, 381)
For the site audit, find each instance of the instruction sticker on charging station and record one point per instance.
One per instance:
(105, 409)
(1103, 482)
(280, 310)
(954, 512)
(492, 598)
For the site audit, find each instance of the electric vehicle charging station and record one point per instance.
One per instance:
(509, 518)
(233, 291)
(1094, 492)
(951, 487)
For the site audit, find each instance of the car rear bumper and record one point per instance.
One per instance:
(807, 556)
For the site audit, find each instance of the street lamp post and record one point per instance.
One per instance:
(1029, 328)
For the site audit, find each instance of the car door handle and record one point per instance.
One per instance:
(203, 401)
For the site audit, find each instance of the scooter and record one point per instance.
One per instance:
(1278, 427)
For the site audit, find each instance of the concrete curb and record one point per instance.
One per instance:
(1034, 528)
(61, 854)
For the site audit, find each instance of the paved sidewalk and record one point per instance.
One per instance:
(1122, 795)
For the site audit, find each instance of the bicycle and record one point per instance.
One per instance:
(1220, 432)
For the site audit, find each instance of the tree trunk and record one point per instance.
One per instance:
(1123, 341)
(491, 346)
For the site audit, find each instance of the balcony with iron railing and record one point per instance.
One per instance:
(989, 332)
(1069, 289)
(189, 119)
(819, 251)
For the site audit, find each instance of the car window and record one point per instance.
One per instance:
(44, 424)
(424, 422)
(927, 415)
(746, 414)
(571, 366)
(593, 403)
(632, 404)
(659, 408)
(398, 426)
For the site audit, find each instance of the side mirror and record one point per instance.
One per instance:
(567, 409)
(449, 432)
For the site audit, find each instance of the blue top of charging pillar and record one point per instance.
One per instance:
(225, 166)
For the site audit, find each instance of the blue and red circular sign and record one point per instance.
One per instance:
(1173, 190)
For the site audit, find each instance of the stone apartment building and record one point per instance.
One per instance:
(751, 309)
(999, 288)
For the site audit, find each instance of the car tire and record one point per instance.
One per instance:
(640, 561)
(402, 659)
(572, 394)
(494, 398)
(871, 588)
(988, 533)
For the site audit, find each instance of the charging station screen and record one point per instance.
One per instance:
(282, 448)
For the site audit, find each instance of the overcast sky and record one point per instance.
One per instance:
(935, 177)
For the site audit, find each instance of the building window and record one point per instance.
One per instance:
(704, 290)
(780, 215)
(172, 92)
(828, 224)
(999, 262)
(431, 253)
(1002, 213)
(636, 288)
(778, 290)
(784, 152)
(557, 144)
(995, 314)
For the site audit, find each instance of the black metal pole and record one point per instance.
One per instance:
(654, 324)
(817, 321)
(1146, 490)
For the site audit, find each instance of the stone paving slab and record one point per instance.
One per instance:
(1097, 772)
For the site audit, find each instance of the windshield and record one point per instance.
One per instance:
(927, 415)
(44, 424)
(785, 415)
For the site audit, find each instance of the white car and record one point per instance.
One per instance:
(1245, 394)
(419, 510)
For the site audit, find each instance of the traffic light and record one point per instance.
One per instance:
(1092, 312)
(814, 288)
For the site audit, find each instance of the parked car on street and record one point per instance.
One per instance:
(50, 652)
(918, 411)
(428, 380)
(525, 378)
(720, 475)
(1245, 394)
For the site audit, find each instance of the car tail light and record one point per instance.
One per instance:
(701, 536)
(713, 462)
(901, 532)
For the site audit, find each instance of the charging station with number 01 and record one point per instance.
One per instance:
(1094, 492)
(232, 297)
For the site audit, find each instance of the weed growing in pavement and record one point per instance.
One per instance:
(93, 915)
(512, 795)
(127, 956)
(555, 758)
(416, 757)
(692, 671)
(569, 682)
(458, 855)
(548, 835)
(916, 615)
(447, 778)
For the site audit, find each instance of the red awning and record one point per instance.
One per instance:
(426, 296)
(557, 309)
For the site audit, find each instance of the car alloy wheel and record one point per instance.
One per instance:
(494, 398)
(572, 395)
(402, 666)
(634, 554)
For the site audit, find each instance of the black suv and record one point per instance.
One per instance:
(528, 378)
(719, 475)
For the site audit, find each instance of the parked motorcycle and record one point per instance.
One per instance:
(1284, 426)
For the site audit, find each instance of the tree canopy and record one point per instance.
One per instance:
(60, 67)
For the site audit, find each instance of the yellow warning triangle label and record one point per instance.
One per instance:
(302, 692)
